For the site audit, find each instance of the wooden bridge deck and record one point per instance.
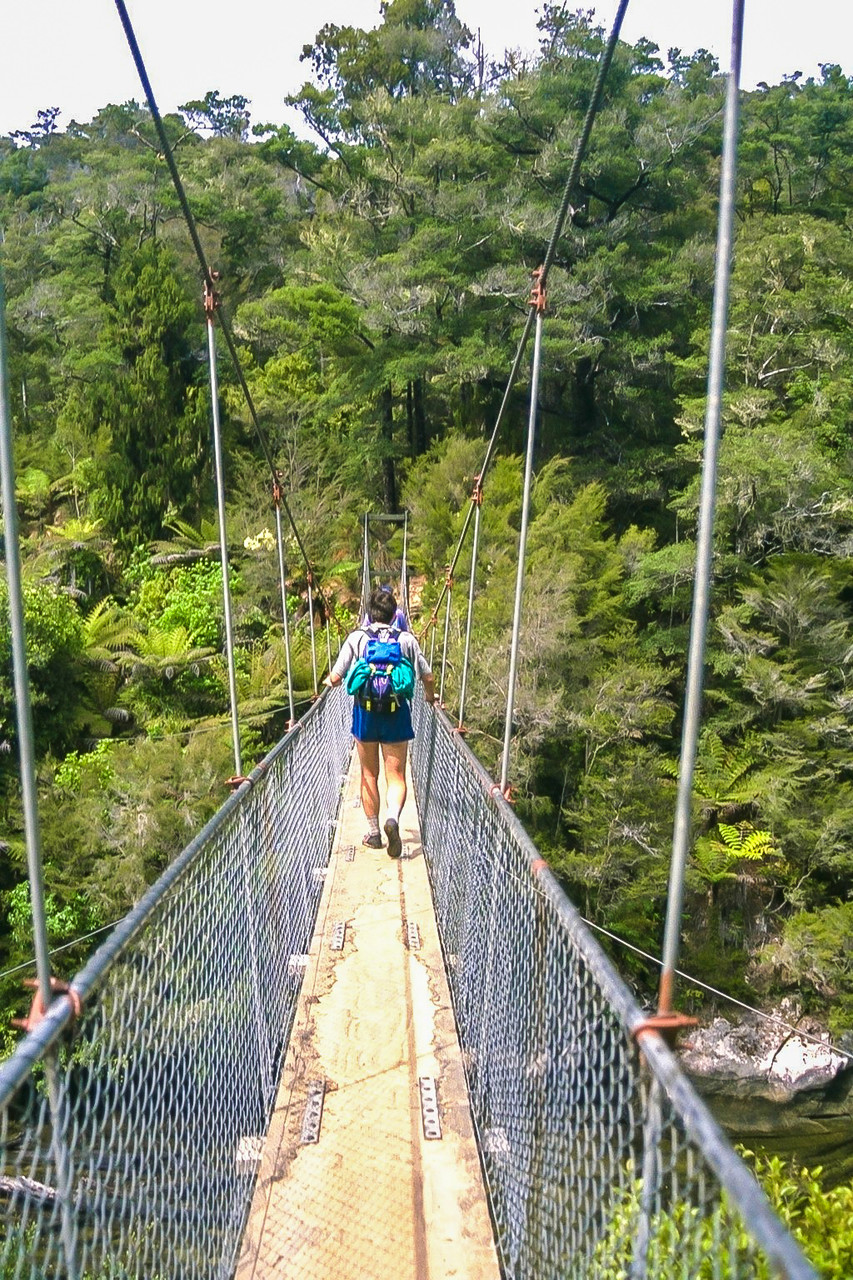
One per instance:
(373, 1197)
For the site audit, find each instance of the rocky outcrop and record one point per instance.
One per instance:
(760, 1058)
(775, 1091)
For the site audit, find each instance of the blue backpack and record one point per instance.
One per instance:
(382, 678)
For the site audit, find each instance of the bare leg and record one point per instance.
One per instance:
(394, 754)
(368, 758)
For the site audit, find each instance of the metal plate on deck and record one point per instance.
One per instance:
(349, 855)
(429, 1107)
(413, 936)
(296, 966)
(338, 935)
(313, 1114)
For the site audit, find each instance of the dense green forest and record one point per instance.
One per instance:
(377, 281)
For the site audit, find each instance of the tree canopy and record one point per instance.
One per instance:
(377, 271)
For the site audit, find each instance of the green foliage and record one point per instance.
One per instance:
(717, 860)
(64, 921)
(54, 637)
(719, 1243)
(813, 956)
(820, 1218)
(187, 597)
(92, 768)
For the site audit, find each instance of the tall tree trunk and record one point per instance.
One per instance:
(420, 416)
(410, 419)
(388, 474)
(585, 374)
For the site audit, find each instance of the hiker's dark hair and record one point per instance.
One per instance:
(381, 606)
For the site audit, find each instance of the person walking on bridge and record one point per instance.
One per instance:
(377, 660)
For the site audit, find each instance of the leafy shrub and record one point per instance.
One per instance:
(188, 596)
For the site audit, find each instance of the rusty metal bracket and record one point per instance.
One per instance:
(211, 295)
(667, 1025)
(237, 780)
(477, 491)
(37, 1009)
(538, 299)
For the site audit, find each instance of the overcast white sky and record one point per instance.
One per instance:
(72, 54)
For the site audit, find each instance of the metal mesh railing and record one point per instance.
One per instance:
(131, 1136)
(600, 1163)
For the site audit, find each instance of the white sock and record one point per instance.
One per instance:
(373, 826)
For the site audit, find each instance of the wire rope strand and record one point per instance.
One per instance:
(207, 274)
(446, 642)
(563, 213)
(583, 140)
(282, 581)
(404, 569)
(522, 552)
(23, 705)
(223, 543)
(469, 621)
(365, 571)
(29, 792)
(311, 632)
(705, 538)
(715, 991)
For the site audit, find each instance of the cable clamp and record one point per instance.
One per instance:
(667, 1025)
(277, 490)
(477, 491)
(537, 298)
(37, 1009)
(237, 780)
(211, 295)
(461, 729)
(505, 792)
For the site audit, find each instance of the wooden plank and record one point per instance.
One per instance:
(372, 1198)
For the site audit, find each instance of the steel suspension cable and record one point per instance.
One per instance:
(207, 275)
(23, 706)
(365, 571)
(404, 569)
(723, 995)
(705, 538)
(445, 645)
(282, 582)
(469, 620)
(547, 263)
(522, 549)
(29, 795)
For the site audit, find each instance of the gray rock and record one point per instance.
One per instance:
(761, 1058)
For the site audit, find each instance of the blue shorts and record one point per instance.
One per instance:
(382, 726)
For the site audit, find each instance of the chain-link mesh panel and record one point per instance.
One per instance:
(130, 1147)
(599, 1163)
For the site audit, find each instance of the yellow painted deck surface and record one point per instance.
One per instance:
(373, 1198)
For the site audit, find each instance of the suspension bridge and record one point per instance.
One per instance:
(295, 1057)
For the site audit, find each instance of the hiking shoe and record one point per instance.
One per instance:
(395, 844)
(373, 840)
